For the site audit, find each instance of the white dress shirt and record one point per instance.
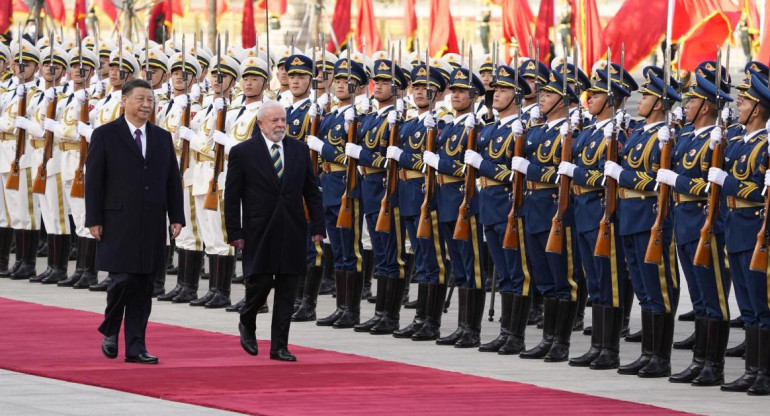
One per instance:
(143, 129)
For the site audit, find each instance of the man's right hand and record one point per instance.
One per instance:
(237, 244)
(96, 232)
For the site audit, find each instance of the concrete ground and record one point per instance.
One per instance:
(28, 395)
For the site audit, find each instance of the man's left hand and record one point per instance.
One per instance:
(237, 244)
(317, 238)
(175, 230)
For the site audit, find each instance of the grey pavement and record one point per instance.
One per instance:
(24, 394)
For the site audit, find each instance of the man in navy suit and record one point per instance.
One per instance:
(132, 185)
(267, 179)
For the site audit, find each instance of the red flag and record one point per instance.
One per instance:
(248, 32)
(159, 15)
(107, 9)
(517, 26)
(340, 26)
(640, 36)
(699, 44)
(6, 17)
(79, 15)
(543, 27)
(275, 7)
(442, 29)
(410, 23)
(366, 29)
(764, 48)
(588, 31)
(56, 8)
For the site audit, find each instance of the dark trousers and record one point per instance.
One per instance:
(257, 288)
(129, 295)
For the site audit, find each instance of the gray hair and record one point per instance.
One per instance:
(267, 107)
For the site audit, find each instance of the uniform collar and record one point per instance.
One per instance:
(459, 119)
(552, 123)
(702, 130)
(599, 125)
(504, 121)
(299, 103)
(647, 127)
(750, 137)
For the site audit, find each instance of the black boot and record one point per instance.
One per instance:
(16, 245)
(351, 315)
(662, 339)
(328, 281)
(761, 386)
(89, 277)
(306, 311)
(299, 289)
(744, 382)
(419, 316)
(379, 306)
(506, 308)
(6, 240)
(737, 351)
(238, 306)
(393, 301)
(519, 317)
(582, 298)
(180, 272)
(634, 367)
(159, 284)
(50, 256)
(471, 337)
(685, 344)
(550, 310)
(713, 373)
(61, 251)
(367, 260)
(170, 268)
(462, 311)
(612, 325)
(339, 283)
(434, 308)
(26, 246)
(700, 337)
(597, 322)
(628, 303)
(79, 265)
(536, 309)
(687, 317)
(191, 278)
(215, 271)
(225, 270)
(565, 321)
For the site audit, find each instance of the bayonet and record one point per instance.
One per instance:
(121, 71)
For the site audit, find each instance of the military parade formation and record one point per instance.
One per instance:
(459, 173)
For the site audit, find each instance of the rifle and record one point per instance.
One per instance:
(147, 73)
(603, 247)
(184, 158)
(38, 186)
(345, 217)
(78, 183)
(212, 196)
(21, 134)
(759, 257)
(315, 123)
(511, 237)
(425, 225)
(462, 226)
(703, 252)
(386, 208)
(555, 242)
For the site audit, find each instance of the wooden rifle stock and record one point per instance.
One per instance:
(603, 247)
(654, 252)
(425, 225)
(345, 217)
(38, 186)
(386, 208)
(78, 184)
(462, 226)
(21, 143)
(703, 252)
(212, 196)
(184, 146)
(511, 237)
(555, 242)
(759, 257)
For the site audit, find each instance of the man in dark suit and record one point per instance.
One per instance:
(132, 184)
(267, 179)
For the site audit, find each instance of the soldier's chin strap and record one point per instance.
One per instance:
(652, 108)
(510, 103)
(563, 99)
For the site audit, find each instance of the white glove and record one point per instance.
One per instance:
(587, 117)
(323, 100)
(315, 143)
(392, 117)
(353, 150)
(429, 121)
(219, 137)
(726, 113)
(20, 89)
(185, 133)
(431, 159)
(623, 119)
(566, 168)
(349, 116)
(677, 113)
(767, 178)
(664, 135)
(564, 130)
(49, 95)
(715, 137)
(50, 125)
(22, 123)
(767, 126)
(195, 92)
(219, 104)
(400, 105)
(667, 177)
(80, 96)
(365, 105)
(519, 164)
(470, 121)
(394, 152)
(575, 118)
(313, 111)
(717, 176)
(181, 101)
(612, 170)
(165, 88)
(473, 158)
(85, 130)
(517, 128)
(608, 130)
(534, 113)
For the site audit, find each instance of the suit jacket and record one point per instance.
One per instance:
(273, 224)
(130, 196)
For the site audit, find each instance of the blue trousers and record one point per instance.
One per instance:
(750, 290)
(465, 256)
(428, 258)
(388, 248)
(555, 274)
(511, 266)
(709, 287)
(346, 243)
(655, 285)
(606, 277)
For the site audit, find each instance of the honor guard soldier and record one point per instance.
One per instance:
(493, 159)
(100, 84)
(6, 73)
(536, 74)
(742, 180)
(154, 65)
(201, 90)
(465, 255)
(20, 212)
(555, 274)
(284, 95)
(345, 242)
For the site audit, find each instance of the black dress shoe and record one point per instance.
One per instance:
(282, 355)
(635, 337)
(248, 340)
(143, 358)
(110, 346)
(687, 317)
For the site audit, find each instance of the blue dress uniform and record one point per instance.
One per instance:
(465, 256)
(496, 146)
(555, 274)
(746, 162)
(428, 252)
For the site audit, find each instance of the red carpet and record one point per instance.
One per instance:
(210, 369)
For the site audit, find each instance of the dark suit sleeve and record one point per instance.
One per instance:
(96, 167)
(174, 198)
(313, 197)
(234, 194)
